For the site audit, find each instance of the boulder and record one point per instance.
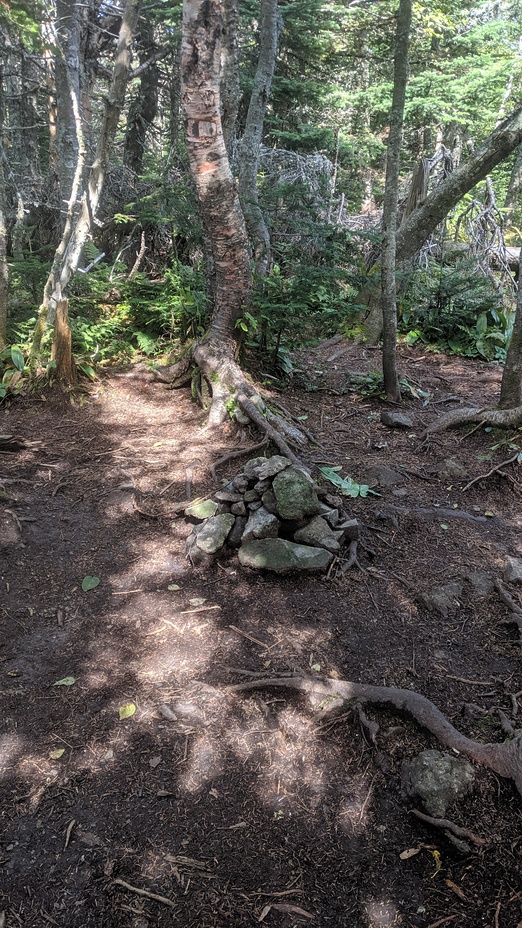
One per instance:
(253, 466)
(273, 466)
(283, 556)
(513, 570)
(437, 780)
(295, 496)
(382, 476)
(202, 509)
(396, 420)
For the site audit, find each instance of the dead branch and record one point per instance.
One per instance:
(253, 413)
(503, 759)
(492, 471)
(145, 893)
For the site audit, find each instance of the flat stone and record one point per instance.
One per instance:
(380, 475)
(211, 535)
(319, 534)
(396, 420)
(261, 524)
(203, 509)
(331, 515)
(513, 570)
(262, 486)
(228, 496)
(250, 495)
(481, 582)
(295, 495)
(451, 470)
(437, 779)
(282, 556)
(443, 599)
(273, 466)
(253, 466)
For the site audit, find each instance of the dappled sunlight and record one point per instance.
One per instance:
(382, 913)
(12, 747)
(205, 763)
(355, 809)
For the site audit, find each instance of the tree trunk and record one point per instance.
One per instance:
(388, 258)
(515, 184)
(61, 352)
(4, 270)
(144, 108)
(251, 141)
(77, 230)
(230, 89)
(67, 77)
(215, 189)
(511, 388)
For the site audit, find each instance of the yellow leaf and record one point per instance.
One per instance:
(127, 710)
(438, 863)
(54, 755)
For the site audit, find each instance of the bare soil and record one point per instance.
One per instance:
(207, 808)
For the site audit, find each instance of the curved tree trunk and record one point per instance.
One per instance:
(389, 217)
(230, 89)
(144, 107)
(249, 156)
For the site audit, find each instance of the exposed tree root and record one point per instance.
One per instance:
(497, 418)
(503, 759)
(452, 829)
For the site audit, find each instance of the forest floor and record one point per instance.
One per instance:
(209, 808)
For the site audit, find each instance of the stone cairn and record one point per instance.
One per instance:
(276, 518)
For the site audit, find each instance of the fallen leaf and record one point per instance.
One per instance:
(67, 681)
(438, 862)
(173, 586)
(59, 752)
(443, 525)
(197, 601)
(90, 583)
(411, 852)
(127, 710)
(154, 761)
(295, 909)
(264, 912)
(489, 513)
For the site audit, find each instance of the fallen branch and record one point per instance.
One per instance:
(493, 470)
(503, 759)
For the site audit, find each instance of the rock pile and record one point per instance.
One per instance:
(275, 516)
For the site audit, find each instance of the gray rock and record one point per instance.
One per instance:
(295, 496)
(331, 515)
(451, 470)
(396, 420)
(234, 539)
(262, 486)
(443, 599)
(273, 466)
(253, 466)
(481, 582)
(238, 509)
(240, 483)
(211, 535)
(269, 501)
(513, 570)
(203, 509)
(319, 534)
(261, 524)
(383, 476)
(283, 556)
(437, 779)
(255, 504)
(228, 496)
(351, 529)
(401, 491)
(250, 495)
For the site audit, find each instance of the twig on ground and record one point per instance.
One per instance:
(145, 893)
(492, 471)
(352, 559)
(236, 454)
(447, 825)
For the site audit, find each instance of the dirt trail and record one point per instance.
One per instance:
(236, 809)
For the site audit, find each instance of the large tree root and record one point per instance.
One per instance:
(497, 418)
(503, 759)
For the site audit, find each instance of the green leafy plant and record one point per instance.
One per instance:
(346, 485)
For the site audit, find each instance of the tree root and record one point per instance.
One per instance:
(503, 759)
(497, 418)
(452, 829)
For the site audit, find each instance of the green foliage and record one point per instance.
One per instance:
(455, 307)
(346, 485)
(12, 368)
